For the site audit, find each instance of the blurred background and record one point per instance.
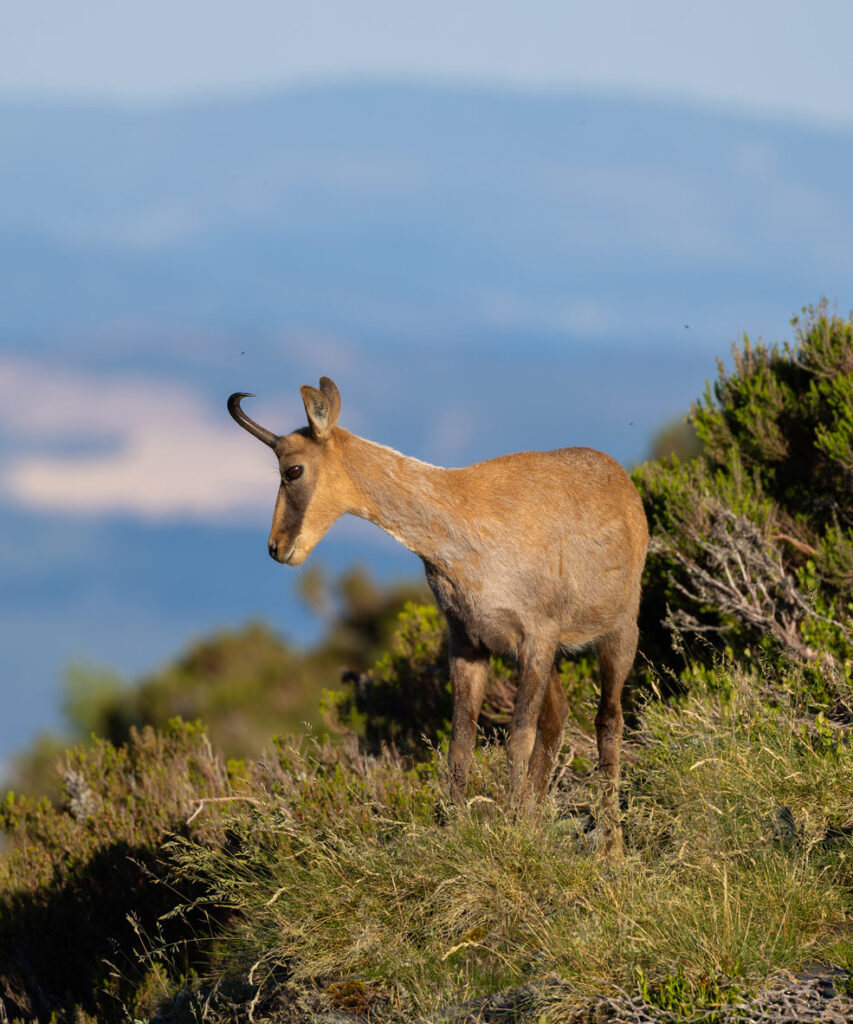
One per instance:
(497, 226)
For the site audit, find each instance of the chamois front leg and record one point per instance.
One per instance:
(533, 685)
(468, 668)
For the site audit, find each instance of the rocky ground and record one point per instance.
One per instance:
(824, 995)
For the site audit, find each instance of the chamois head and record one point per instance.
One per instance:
(313, 491)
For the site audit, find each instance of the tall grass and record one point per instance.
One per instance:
(738, 865)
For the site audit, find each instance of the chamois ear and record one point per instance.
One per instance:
(319, 412)
(333, 397)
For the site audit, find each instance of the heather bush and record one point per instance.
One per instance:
(80, 880)
(752, 541)
(788, 412)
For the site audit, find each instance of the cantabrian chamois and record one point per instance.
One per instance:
(527, 555)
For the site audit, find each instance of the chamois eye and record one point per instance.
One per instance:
(294, 473)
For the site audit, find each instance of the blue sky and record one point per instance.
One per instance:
(548, 245)
(787, 59)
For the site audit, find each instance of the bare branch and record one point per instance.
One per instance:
(741, 573)
(220, 800)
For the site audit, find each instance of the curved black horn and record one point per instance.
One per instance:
(267, 436)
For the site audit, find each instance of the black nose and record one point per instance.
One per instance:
(273, 549)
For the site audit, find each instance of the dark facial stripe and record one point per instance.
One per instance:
(297, 498)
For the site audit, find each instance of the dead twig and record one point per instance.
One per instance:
(220, 800)
(735, 569)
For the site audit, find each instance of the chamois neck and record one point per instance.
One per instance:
(400, 494)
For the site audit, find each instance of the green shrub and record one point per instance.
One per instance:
(404, 701)
(752, 541)
(788, 413)
(74, 875)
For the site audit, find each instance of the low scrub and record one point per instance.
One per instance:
(82, 879)
(323, 878)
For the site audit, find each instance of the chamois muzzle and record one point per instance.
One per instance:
(261, 433)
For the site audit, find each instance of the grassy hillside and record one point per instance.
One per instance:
(737, 867)
(328, 879)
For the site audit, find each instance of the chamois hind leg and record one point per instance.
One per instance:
(549, 735)
(616, 651)
(533, 686)
(468, 668)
